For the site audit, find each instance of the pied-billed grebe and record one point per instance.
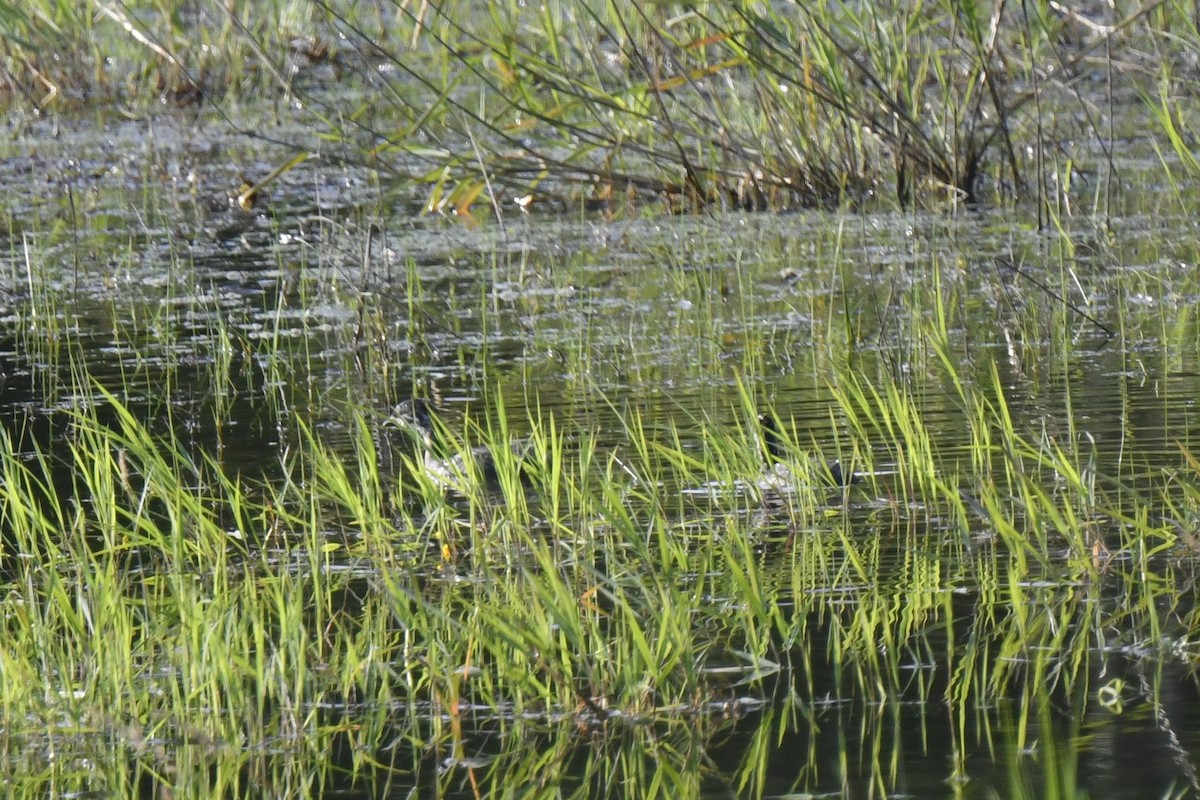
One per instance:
(459, 471)
(781, 466)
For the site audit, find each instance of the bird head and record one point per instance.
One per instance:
(774, 443)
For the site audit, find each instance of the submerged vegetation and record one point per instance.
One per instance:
(708, 494)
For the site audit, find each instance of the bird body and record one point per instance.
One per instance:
(783, 473)
(460, 471)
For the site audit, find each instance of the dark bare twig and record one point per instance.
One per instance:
(1010, 265)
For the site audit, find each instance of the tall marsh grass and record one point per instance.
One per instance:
(499, 108)
(743, 106)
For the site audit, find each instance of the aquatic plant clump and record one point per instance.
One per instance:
(737, 106)
(497, 109)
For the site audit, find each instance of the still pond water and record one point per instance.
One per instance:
(124, 252)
